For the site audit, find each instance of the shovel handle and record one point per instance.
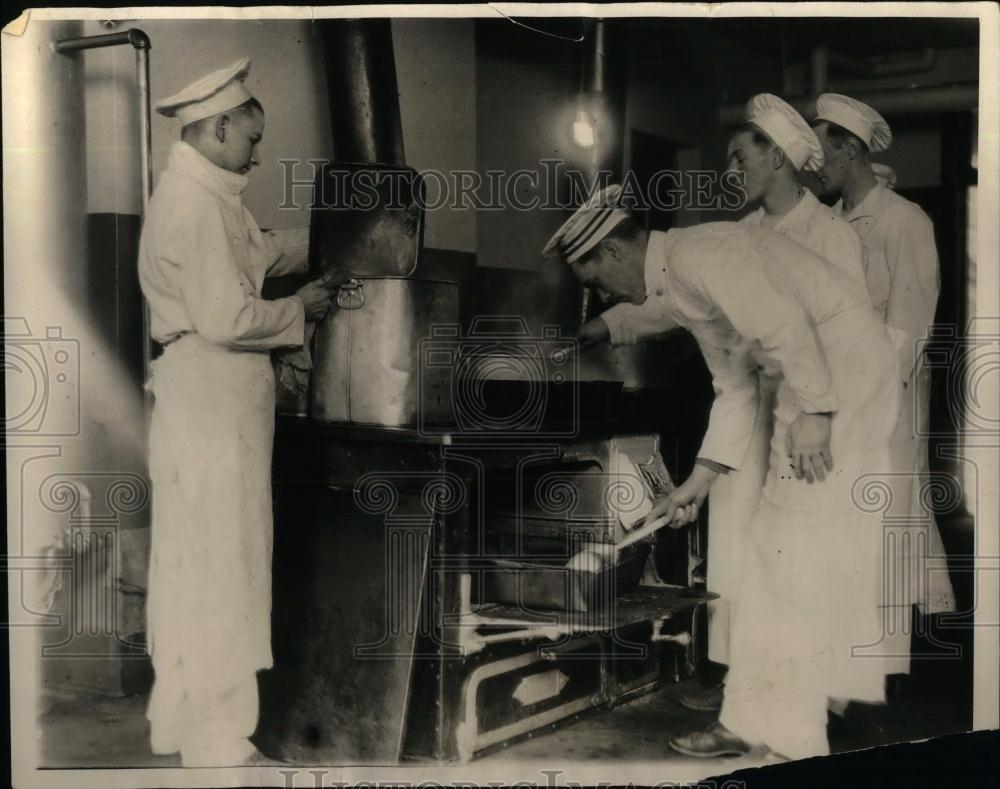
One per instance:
(609, 550)
(643, 531)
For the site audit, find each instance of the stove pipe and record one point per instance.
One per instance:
(361, 83)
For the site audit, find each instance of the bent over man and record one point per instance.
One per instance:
(770, 151)
(810, 587)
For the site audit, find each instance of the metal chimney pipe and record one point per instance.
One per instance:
(363, 95)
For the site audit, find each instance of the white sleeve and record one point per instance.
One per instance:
(221, 302)
(734, 410)
(736, 284)
(288, 251)
(915, 284)
(632, 323)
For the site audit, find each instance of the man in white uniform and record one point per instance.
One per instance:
(202, 261)
(770, 150)
(809, 591)
(904, 281)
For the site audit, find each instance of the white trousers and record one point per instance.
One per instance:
(209, 602)
(208, 729)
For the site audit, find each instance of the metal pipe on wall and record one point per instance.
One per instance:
(874, 69)
(819, 66)
(361, 85)
(139, 41)
(594, 72)
(919, 101)
(145, 127)
(822, 57)
(602, 97)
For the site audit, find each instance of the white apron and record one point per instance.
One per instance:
(811, 586)
(734, 497)
(210, 462)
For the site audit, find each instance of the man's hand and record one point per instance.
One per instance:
(681, 505)
(316, 295)
(592, 333)
(335, 279)
(808, 445)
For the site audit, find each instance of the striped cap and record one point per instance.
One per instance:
(588, 226)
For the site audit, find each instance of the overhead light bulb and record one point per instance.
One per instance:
(583, 130)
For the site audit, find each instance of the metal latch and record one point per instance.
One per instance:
(351, 296)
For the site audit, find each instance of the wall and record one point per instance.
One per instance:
(915, 153)
(74, 435)
(435, 71)
(286, 75)
(679, 109)
(436, 75)
(44, 274)
(525, 81)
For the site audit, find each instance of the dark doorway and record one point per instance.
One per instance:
(652, 154)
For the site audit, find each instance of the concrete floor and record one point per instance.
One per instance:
(91, 731)
(97, 731)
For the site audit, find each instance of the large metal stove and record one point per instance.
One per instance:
(422, 604)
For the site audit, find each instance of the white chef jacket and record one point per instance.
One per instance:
(735, 497)
(904, 281)
(903, 275)
(820, 229)
(203, 259)
(810, 591)
(707, 282)
(810, 223)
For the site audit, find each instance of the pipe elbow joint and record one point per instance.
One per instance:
(138, 39)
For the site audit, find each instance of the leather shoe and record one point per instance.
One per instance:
(714, 741)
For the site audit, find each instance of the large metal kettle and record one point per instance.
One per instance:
(369, 362)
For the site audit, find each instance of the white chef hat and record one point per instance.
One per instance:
(857, 117)
(214, 93)
(787, 129)
(588, 226)
(884, 174)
